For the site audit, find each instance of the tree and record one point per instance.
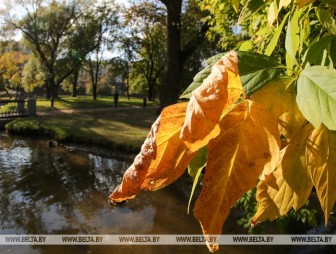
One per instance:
(93, 68)
(102, 21)
(58, 34)
(222, 19)
(33, 74)
(143, 43)
(170, 86)
(177, 54)
(103, 17)
(11, 69)
(120, 67)
(252, 122)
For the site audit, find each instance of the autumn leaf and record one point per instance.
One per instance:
(321, 161)
(248, 144)
(289, 185)
(136, 173)
(303, 3)
(279, 97)
(163, 157)
(284, 3)
(173, 156)
(219, 90)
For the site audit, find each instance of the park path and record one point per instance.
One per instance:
(86, 110)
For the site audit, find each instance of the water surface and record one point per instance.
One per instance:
(51, 190)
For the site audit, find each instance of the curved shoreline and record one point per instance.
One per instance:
(41, 131)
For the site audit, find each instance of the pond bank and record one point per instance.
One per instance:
(118, 130)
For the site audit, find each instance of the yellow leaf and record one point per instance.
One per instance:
(284, 3)
(279, 97)
(289, 185)
(173, 156)
(272, 13)
(321, 161)
(248, 144)
(163, 157)
(218, 91)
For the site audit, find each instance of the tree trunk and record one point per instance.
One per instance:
(94, 91)
(47, 90)
(74, 83)
(171, 84)
(127, 82)
(150, 91)
(53, 89)
(74, 89)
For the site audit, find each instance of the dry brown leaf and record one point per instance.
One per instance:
(208, 102)
(248, 144)
(163, 157)
(136, 173)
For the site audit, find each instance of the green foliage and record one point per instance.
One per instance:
(274, 41)
(144, 45)
(250, 8)
(195, 169)
(34, 74)
(200, 76)
(321, 52)
(316, 96)
(285, 38)
(222, 19)
(60, 35)
(255, 70)
(295, 221)
(307, 30)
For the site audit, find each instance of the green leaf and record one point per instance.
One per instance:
(196, 179)
(326, 19)
(195, 169)
(256, 70)
(198, 161)
(316, 96)
(212, 60)
(235, 4)
(251, 7)
(246, 46)
(333, 52)
(321, 52)
(305, 34)
(292, 42)
(199, 77)
(274, 41)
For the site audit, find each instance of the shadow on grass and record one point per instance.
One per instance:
(116, 128)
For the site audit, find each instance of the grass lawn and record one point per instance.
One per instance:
(118, 128)
(86, 102)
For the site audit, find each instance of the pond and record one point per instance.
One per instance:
(54, 190)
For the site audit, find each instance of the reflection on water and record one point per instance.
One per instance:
(49, 190)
